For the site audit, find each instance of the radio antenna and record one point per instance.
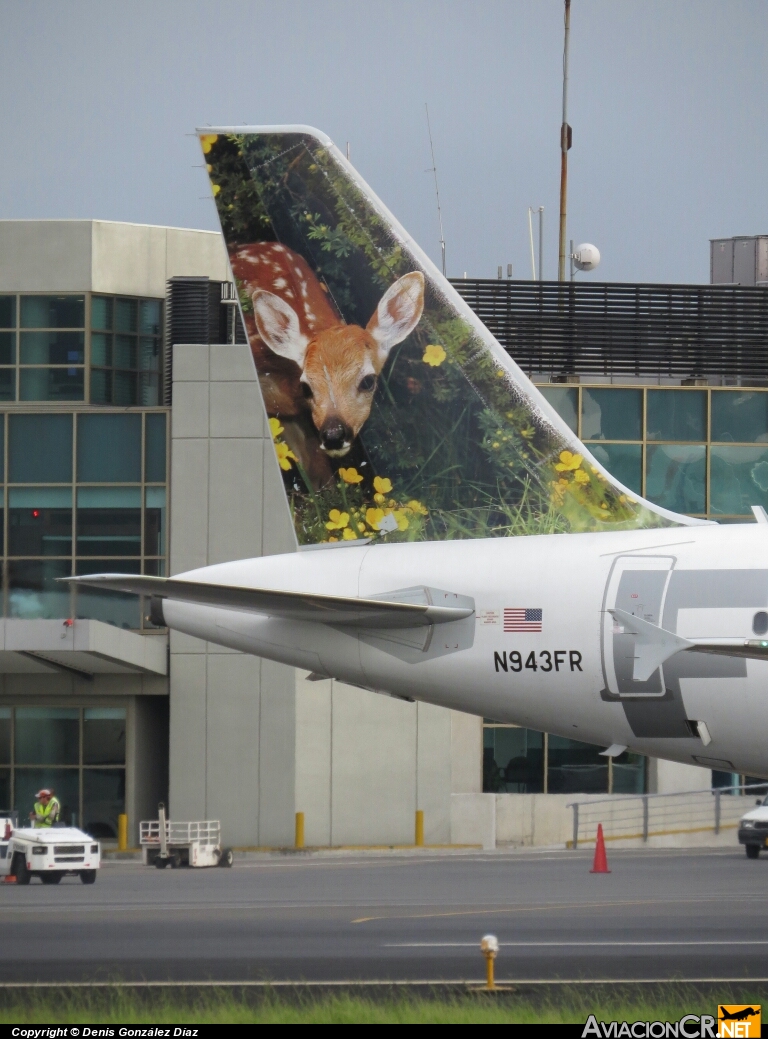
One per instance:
(433, 170)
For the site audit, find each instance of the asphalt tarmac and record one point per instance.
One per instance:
(397, 916)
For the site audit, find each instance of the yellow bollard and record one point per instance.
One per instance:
(299, 830)
(122, 833)
(489, 947)
(420, 828)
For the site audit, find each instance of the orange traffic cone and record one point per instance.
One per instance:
(600, 865)
(10, 879)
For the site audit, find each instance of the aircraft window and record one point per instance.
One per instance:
(760, 623)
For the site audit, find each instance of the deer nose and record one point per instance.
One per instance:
(335, 436)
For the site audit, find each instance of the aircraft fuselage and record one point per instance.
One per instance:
(557, 660)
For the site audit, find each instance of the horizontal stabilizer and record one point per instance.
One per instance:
(343, 611)
(653, 645)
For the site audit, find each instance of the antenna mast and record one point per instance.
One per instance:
(565, 144)
(433, 170)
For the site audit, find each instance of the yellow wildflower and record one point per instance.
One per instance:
(215, 188)
(349, 534)
(382, 484)
(374, 517)
(402, 519)
(495, 445)
(416, 506)
(332, 539)
(337, 520)
(568, 462)
(208, 140)
(580, 476)
(208, 168)
(603, 506)
(284, 456)
(275, 428)
(350, 475)
(527, 433)
(379, 498)
(434, 356)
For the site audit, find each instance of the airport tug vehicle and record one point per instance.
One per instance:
(753, 829)
(164, 843)
(48, 853)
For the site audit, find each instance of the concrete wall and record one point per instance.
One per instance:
(104, 256)
(232, 715)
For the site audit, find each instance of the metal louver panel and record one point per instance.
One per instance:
(623, 329)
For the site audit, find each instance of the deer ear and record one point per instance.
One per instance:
(398, 312)
(278, 326)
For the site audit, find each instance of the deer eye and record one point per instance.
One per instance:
(306, 389)
(367, 384)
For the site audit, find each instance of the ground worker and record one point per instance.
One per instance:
(47, 809)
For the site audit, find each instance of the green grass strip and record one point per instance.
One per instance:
(223, 1006)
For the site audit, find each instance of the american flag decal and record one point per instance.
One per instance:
(518, 619)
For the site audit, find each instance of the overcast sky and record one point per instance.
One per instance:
(667, 102)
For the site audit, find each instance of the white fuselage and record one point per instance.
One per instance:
(572, 677)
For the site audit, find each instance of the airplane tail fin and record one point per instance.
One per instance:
(396, 415)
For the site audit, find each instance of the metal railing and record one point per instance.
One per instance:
(640, 816)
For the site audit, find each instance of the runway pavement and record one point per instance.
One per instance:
(415, 916)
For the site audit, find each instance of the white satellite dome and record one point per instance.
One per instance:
(586, 257)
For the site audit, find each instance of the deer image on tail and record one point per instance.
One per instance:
(312, 366)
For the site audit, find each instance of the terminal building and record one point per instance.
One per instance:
(134, 440)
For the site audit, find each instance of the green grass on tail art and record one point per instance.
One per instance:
(463, 452)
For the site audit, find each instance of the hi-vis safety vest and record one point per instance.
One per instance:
(46, 815)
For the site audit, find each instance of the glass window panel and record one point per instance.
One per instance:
(565, 402)
(52, 347)
(40, 449)
(40, 521)
(101, 312)
(513, 761)
(739, 416)
(149, 389)
(33, 591)
(676, 415)
(118, 608)
(7, 384)
(7, 348)
(5, 742)
(155, 448)
(47, 735)
(52, 311)
(150, 316)
(611, 414)
(154, 567)
(125, 352)
(125, 315)
(7, 312)
(101, 349)
(101, 386)
(575, 768)
(738, 479)
(109, 448)
(624, 461)
(51, 384)
(5, 789)
(103, 800)
(65, 783)
(125, 388)
(675, 477)
(109, 521)
(629, 773)
(104, 736)
(154, 522)
(149, 354)
(109, 498)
